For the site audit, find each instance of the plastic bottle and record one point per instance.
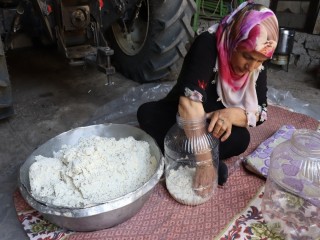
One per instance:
(291, 201)
(190, 149)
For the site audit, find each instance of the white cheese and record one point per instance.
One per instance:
(94, 171)
(180, 185)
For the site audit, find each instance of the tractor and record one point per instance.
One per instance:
(141, 39)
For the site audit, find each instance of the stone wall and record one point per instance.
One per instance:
(306, 48)
(306, 51)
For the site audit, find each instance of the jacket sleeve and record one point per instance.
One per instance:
(197, 68)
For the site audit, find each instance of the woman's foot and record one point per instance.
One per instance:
(222, 173)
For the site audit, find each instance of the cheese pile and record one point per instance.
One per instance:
(179, 183)
(95, 170)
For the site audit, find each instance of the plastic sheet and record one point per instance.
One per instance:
(285, 99)
(123, 110)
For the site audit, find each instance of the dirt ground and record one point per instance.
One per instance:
(51, 97)
(302, 84)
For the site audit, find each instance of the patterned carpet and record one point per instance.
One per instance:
(163, 218)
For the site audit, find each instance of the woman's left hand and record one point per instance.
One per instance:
(220, 124)
(223, 119)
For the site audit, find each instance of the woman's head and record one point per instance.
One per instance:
(243, 61)
(247, 37)
(255, 27)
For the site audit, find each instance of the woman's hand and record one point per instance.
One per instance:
(220, 125)
(223, 119)
(204, 179)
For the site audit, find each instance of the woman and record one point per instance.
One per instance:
(222, 77)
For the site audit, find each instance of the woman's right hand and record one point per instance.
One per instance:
(205, 172)
(203, 181)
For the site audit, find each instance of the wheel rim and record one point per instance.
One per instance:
(132, 42)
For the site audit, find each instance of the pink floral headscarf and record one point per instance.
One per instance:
(255, 28)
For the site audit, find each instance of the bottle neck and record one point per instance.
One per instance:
(191, 124)
(306, 142)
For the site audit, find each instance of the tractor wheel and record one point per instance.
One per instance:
(155, 42)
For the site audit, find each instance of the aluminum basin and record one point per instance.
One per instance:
(100, 216)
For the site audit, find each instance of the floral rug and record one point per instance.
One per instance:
(252, 224)
(249, 224)
(163, 218)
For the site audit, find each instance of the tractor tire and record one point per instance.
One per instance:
(158, 39)
(6, 109)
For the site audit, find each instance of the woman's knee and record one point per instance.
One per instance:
(144, 113)
(236, 144)
(244, 136)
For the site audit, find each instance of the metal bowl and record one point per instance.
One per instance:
(100, 216)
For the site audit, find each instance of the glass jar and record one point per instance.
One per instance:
(191, 152)
(291, 201)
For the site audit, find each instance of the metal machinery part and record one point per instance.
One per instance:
(79, 35)
(133, 30)
(143, 39)
(5, 87)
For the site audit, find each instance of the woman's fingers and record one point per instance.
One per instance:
(214, 118)
(226, 134)
(220, 126)
(203, 180)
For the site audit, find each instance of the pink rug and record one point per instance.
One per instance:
(163, 218)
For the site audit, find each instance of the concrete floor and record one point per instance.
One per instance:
(51, 97)
(304, 85)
